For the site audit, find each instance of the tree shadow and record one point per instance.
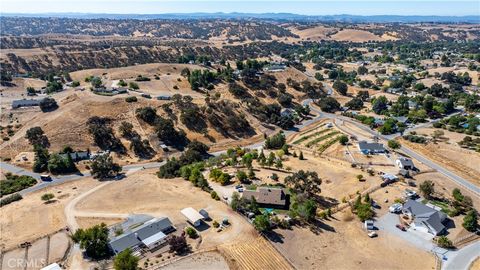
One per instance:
(275, 237)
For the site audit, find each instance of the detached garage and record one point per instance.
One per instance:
(193, 216)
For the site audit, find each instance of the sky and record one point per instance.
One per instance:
(305, 7)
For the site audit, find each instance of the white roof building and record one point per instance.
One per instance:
(192, 215)
(154, 239)
(53, 266)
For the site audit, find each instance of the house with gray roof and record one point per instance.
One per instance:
(425, 218)
(370, 147)
(405, 163)
(26, 103)
(149, 235)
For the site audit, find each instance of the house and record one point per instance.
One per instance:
(412, 105)
(268, 197)
(164, 97)
(275, 68)
(286, 112)
(150, 235)
(26, 103)
(405, 163)
(193, 216)
(77, 156)
(371, 148)
(425, 218)
(401, 119)
(389, 178)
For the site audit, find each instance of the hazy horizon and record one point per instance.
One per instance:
(308, 8)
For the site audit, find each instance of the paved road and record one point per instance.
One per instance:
(320, 115)
(449, 174)
(461, 259)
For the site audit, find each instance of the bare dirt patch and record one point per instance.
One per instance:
(37, 218)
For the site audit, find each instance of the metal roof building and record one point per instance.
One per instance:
(192, 215)
(151, 232)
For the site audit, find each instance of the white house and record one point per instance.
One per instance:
(405, 163)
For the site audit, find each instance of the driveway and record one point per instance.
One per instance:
(451, 259)
(418, 239)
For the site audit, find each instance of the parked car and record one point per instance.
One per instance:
(369, 224)
(240, 190)
(372, 234)
(238, 186)
(401, 227)
(45, 177)
(375, 205)
(395, 208)
(411, 194)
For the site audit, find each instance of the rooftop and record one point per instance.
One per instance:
(267, 195)
(139, 234)
(191, 214)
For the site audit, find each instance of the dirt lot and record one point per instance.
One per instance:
(37, 253)
(327, 248)
(148, 194)
(38, 219)
(462, 161)
(211, 260)
(475, 265)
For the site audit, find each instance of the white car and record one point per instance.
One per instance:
(395, 208)
(372, 234)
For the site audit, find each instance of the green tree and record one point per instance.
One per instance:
(242, 177)
(394, 144)
(304, 182)
(470, 221)
(125, 260)
(40, 163)
(343, 139)
(94, 241)
(444, 242)
(379, 105)
(235, 201)
(300, 156)
(36, 136)
(262, 223)
(340, 87)
(364, 211)
(427, 188)
(103, 167)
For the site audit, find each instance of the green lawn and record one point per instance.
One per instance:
(443, 205)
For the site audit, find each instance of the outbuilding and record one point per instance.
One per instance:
(193, 216)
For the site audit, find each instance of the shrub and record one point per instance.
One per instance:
(394, 144)
(192, 233)
(12, 198)
(47, 197)
(215, 224)
(14, 183)
(131, 99)
(444, 242)
(214, 195)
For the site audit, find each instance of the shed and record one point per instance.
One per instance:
(192, 215)
(204, 213)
